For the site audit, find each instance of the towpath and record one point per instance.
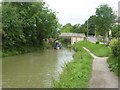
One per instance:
(101, 75)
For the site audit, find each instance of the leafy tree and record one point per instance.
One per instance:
(83, 28)
(76, 28)
(12, 29)
(104, 19)
(67, 28)
(27, 24)
(115, 31)
(91, 25)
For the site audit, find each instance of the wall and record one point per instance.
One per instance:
(76, 39)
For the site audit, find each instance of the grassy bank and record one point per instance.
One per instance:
(97, 49)
(113, 64)
(77, 73)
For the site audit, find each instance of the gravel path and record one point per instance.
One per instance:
(101, 75)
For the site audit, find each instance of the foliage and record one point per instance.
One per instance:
(113, 42)
(115, 30)
(104, 19)
(97, 42)
(91, 25)
(67, 28)
(76, 28)
(113, 62)
(12, 33)
(83, 28)
(77, 73)
(26, 24)
(114, 58)
(115, 47)
(65, 42)
(47, 45)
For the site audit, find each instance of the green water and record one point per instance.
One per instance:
(34, 70)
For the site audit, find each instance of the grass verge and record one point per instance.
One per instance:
(97, 49)
(77, 73)
(113, 64)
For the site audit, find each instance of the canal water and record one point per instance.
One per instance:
(34, 70)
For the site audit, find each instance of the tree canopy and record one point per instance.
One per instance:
(67, 28)
(104, 19)
(77, 28)
(91, 25)
(27, 23)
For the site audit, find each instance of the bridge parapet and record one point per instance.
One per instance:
(72, 35)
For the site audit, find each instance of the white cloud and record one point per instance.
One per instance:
(77, 11)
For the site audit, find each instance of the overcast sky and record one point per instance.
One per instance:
(77, 11)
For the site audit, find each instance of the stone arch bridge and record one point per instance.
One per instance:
(75, 37)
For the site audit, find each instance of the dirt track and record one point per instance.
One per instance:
(101, 75)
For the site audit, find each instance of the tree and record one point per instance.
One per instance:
(115, 31)
(91, 25)
(104, 19)
(39, 22)
(12, 30)
(83, 28)
(76, 28)
(67, 28)
(27, 24)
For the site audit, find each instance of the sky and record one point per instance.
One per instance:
(77, 11)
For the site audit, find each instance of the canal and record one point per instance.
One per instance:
(34, 70)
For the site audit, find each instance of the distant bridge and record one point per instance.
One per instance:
(75, 37)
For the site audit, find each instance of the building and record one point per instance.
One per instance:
(119, 12)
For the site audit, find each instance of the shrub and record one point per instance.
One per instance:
(113, 42)
(97, 42)
(115, 47)
(47, 45)
(113, 62)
